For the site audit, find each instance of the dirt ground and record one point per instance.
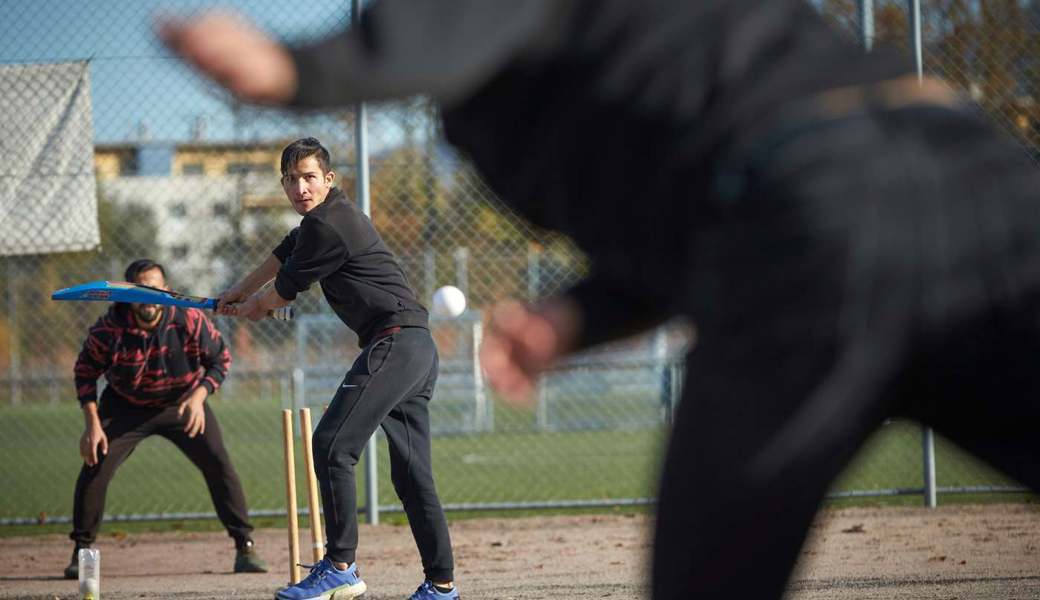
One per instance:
(953, 552)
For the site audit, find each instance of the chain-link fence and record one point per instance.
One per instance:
(186, 176)
(989, 51)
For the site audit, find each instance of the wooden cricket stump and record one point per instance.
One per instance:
(313, 503)
(290, 496)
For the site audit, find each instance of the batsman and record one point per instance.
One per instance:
(389, 385)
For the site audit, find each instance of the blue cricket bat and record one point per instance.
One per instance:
(121, 291)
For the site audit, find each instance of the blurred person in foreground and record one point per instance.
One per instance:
(389, 385)
(851, 243)
(160, 364)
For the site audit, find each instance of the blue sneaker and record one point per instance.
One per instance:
(426, 591)
(325, 582)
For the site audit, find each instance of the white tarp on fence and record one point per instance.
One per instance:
(48, 200)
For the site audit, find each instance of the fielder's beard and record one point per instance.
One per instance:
(147, 314)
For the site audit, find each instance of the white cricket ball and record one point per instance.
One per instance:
(448, 301)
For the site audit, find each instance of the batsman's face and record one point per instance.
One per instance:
(149, 313)
(306, 185)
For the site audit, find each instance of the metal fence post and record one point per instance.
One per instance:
(927, 435)
(484, 409)
(928, 451)
(462, 269)
(542, 408)
(534, 283)
(916, 44)
(299, 393)
(429, 271)
(866, 24)
(663, 366)
(361, 141)
(12, 331)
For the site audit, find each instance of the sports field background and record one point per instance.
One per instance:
(186, 176)
(518, 465)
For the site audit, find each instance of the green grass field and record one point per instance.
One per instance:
(514, 464)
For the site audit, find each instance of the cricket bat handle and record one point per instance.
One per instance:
(284, 313)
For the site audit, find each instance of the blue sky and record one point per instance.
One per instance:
(135, 80)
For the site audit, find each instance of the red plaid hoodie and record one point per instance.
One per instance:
(151, 367)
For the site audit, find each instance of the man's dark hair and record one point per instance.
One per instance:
(141, 265)
(301, 149)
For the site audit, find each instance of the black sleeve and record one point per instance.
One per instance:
(319, 250)
(444, 49)
(285, 248)
(612, 311)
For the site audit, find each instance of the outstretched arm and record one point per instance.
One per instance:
(238, 56)
(444, 49)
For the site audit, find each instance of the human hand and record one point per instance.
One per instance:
(520, 342)
(227, 301)
(93, 444)
(190, 408)
(252, 309)
(234, 53)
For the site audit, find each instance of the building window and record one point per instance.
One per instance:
(128, 164)
(179, 210)
(221, 210)
(192, 169)
(245, 168)
(179, 251)
(155, 159)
